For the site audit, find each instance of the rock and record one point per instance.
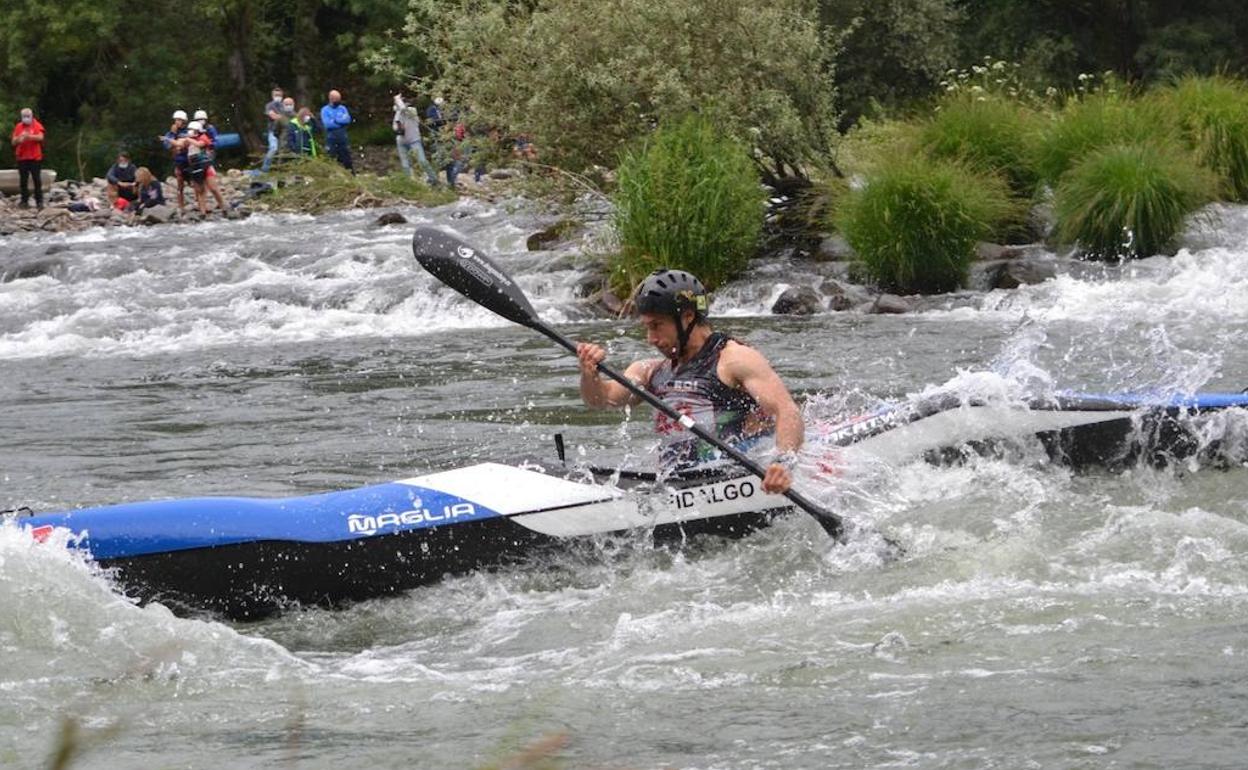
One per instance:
(834, 248)
(797, 300)
(559, 231)
(57, 248)
(1024, 272)
(157, 215)
(17, 270)
(890, 304)
(504, 173)
(986, 252)
(390, 218)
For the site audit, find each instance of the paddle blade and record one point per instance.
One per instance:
(471, 273)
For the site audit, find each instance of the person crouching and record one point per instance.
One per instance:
(122, 189)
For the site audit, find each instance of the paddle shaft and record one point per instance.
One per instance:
(830, 521)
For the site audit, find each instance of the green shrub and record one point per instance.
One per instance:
(1129, 200)
(689, 199)
(915, 224)
(1212, 117)
(988, 133)
(1094, 121)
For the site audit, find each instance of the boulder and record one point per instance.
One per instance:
(890, 304)
(157, 215)
(504, 173)
(390, 218)
(1024, 272)
(18, 269)
(559, 231)
(798, 300)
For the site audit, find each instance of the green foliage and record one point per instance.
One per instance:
(892, 51)
(871, 143)
(313, 185)
(1129, 200)
(989, 133)
(586, 77)
(689, 199)
(1094, 121)
(915, 224)
(1212, 116)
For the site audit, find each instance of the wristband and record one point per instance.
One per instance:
(786, 459)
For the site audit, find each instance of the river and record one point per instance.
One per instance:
(1040, 618)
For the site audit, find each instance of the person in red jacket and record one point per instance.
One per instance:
(28, 142)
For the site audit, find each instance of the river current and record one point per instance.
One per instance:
(1040, 618)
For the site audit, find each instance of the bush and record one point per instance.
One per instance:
(915, 224)
(586, 77)
(689, 199)
(1212, 117)
(1094, 121)
(1129, 200)
(313, 185)
(988, 133)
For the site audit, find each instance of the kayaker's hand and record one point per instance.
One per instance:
(777, 480)
(588, 356)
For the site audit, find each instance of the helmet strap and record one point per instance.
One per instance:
(682, 336)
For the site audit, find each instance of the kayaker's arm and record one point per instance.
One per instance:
(598, 393)
(744, 367)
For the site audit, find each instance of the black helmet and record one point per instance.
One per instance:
(671, 292)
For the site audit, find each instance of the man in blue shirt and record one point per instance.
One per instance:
(335, 118)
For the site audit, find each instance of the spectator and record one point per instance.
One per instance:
(198, 149)
(335, 118)
(210, 180)
(121, 184)
(407, 139)
(150, 191)
(28, 136)
(302, 136)
(173, 142)
(443, 138)
(524, 149)
(273, 111)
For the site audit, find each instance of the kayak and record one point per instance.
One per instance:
(245, 557)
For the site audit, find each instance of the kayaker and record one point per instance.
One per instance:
(725, 385)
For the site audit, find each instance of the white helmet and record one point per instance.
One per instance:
(179, 114)
(195, 125)
(201, 114)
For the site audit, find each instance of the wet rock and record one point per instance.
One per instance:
(834, 248)
(843, 296)
(607, 301)
(57, 248)
(157, 215)
(797, 300)
(390, 218)
(989, 252)
(559, 231)
(19, 269)
(1025, 272)
(890, 304)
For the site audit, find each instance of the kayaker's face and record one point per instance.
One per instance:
(661, 331)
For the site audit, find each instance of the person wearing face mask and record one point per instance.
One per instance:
(121, 182)
(28, 136)
(302, 134)
(335, 118)
(275, 114)
(210, 180)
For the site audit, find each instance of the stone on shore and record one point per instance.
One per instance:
(797, 300)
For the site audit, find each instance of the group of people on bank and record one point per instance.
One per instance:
(296, 129)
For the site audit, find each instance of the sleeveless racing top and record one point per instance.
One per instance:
(694, 389)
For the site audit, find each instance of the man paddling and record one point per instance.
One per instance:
(726, 386)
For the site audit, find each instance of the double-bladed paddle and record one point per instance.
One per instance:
(471, 273)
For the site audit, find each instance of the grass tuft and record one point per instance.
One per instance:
(987, 133)
(1212, 117)
(1130, 200)
(915, 224)
(1094, 121)
(690, 198)
(315, 185)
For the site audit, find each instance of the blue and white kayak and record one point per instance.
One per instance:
(246, 557)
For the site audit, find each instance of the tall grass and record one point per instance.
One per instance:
(989, 133)
(1212, 117)
(690, 198)
(1094, 121)
(915, 224)
(1130, 200)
